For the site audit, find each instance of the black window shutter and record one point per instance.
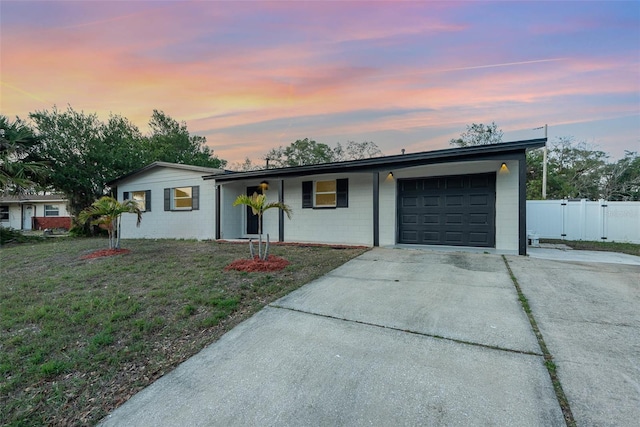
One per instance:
(342, 193)
(195, 197)
(125, 195)
(167, 199)
(307, 194)
(147, 201)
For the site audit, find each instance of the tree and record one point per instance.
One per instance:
(356, 151)
(478, 134)
(302, 152)
(106, 212)
(258, 204)
(170, 141)
(309, 152)
(20, 168)
(85, 153)
(574, 170)
(621, 180)
(245, 166)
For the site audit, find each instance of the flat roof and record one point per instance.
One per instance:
(503, 150)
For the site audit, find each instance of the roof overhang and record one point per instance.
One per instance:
(154, 165)
(502, 151)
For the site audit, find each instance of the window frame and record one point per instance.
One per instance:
(170, 199)
(51, 208)
(3, 209)
(309, 200)
(145, 206)
(334, 192)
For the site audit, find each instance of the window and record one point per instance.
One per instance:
(182, 198)
(4, 213)
(325, 194)
(51, 210)
(142, 199)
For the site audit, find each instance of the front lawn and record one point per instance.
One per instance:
(79, 337)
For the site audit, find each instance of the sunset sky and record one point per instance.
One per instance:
(253, 75)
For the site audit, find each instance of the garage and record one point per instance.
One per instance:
(457, 210)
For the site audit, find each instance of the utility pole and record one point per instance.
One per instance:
(544, 162)
(544, 166)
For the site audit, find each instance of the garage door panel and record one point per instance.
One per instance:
(478, 200)
(431, 201)
(452, 210)
(431, 219)
(478, 219)
(408, 201)
(454, 200)
(453, 238)
(409, 219)
(476, 239)
(479, 181)
(453, 219)
(454, 182)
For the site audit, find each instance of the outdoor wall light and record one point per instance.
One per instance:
(503, 168)
(389, 177)
(264, 185)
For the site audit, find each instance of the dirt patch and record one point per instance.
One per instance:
(105, 252)
(272, 263)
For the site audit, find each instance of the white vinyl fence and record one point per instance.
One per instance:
(584, 220)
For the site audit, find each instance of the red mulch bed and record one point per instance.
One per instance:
(105, 252)
(272, 263)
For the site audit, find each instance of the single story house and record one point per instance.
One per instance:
(472, 196)
(175, 201)
(33, 212)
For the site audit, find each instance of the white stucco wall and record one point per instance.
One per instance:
(158, 223)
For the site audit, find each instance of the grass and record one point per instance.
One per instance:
(625, 248)
(79, 337)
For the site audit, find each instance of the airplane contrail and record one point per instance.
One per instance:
(24, 92)
(506, 64)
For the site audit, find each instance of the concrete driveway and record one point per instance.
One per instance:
(411, 337)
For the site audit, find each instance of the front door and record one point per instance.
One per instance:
(27, 214)
(252, 220)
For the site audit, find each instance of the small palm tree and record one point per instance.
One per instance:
(258, 204)
(106, 213)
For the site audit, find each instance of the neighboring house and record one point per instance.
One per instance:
(471, 196)
(33, 212)
(175, 201)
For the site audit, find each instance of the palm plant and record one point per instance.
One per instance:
(106, 212)
(258, 204)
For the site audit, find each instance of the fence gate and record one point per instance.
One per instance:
(584, 220)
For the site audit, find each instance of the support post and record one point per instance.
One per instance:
(280, 211)
(218, 212)
(522, 204)
(376, 209)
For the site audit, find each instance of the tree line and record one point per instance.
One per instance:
(575, 169)
(77, 154)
